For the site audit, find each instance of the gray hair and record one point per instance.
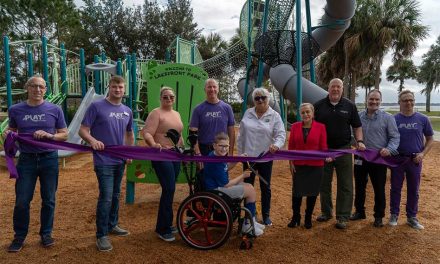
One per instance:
(406, 91)
(260, 90)
(211, 80)
(29, 81)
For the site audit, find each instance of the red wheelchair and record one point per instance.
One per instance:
(205, 219)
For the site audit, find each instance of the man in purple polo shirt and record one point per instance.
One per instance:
(416, 139)
(108, 122)
(212, 117)
(45, 121)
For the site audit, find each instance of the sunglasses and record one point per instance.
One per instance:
(166, 97)
(258, 98)
(407, 101)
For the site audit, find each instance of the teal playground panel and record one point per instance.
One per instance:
(188, 83)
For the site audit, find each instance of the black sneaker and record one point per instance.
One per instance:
(324, 218)
(47, 241)
(378, 222)
(357, 216)
(16, 245)
(341, 224)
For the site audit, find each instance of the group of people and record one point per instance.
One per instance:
(327, 124)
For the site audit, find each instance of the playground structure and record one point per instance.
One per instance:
(267, 51)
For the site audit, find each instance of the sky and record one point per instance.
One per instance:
(222, 16)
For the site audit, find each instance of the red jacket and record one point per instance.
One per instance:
(316, 140)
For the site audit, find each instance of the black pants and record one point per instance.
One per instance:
(296, 205)
(265, 170)
(378, 176)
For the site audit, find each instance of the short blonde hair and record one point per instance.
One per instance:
(309, 105)
(166, 88)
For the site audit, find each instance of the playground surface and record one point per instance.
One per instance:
(361, 243)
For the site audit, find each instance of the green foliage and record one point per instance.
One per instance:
(430, 71)
(401, 70)
(211, 45)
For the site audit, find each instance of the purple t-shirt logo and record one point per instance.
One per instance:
(408, 126)
(118, 115)
(217, 114)
(35, 118)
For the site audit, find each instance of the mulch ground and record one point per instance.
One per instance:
(361, 243)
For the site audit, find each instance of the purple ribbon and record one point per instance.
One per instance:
(145, 153)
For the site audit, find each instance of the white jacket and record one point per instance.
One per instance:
(257, 134)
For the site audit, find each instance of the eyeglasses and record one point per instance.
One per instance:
(407, 101)
(36, 86)
(168, 97)
(223, 146)
(258, 98)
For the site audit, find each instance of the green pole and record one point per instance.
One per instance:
(130, 78)
(45, 63)
(260, 60)
(64, 78)
(30, 61)
(8, 71)
(249, 58)
(309, 31)
(298, 59)
(82, 72)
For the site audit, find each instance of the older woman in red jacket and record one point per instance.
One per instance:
(306, 135)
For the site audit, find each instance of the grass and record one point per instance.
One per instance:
(435, 123)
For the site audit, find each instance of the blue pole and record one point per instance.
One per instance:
(82, 72)
(249, 58)
(298, 59)
(309, 31)
(193, 53)
(177, 50)
(260, 60)
(64, 79)
(130, 77)
(119, 67)
(45, 63)
(133, 94)
(8, 71)
(96, 76)
(103, 57)
(30, 61)
(168, 55)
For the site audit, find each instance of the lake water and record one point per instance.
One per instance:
(395, 107)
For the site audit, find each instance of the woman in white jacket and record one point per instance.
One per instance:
(261, 130)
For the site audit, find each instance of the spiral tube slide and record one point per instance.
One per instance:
(335, 21)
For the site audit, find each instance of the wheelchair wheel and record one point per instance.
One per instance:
(204, 221)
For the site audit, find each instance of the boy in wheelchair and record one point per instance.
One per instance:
(216, 177)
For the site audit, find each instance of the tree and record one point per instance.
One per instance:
(401, 70)
(211, 45)
(378, 27)
(429, 72)
(178, 20)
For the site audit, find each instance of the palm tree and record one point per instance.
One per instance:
(430, 72)
(211, 45)
(401, 70)
(379, 26)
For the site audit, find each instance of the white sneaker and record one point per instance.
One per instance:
(247, 227)
(414, 223)
(260, 226)
(393, 220)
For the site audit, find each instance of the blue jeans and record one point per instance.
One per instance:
(265, 171)
(31, 166)
(167, 173)
(109, 179)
